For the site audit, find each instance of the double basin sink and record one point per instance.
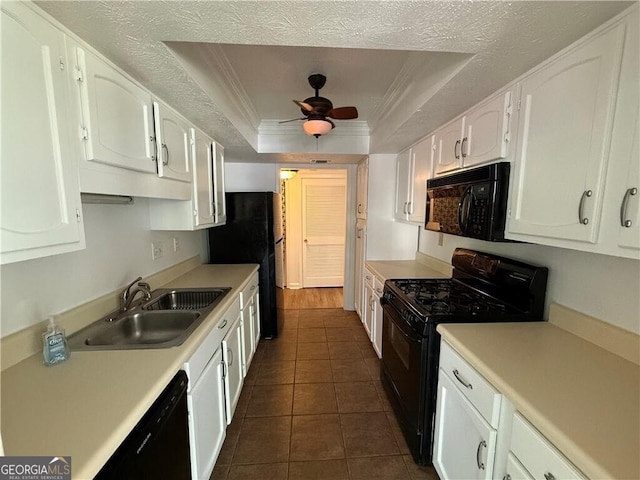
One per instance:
(166, 320)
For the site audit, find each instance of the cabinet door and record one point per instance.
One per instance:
(232, 355)
(367, 317)
(361, 238)
(449, 140)
(464, 444)
(172, 134)
(201, 153)
(361, 188)
(630, 200)
(246, 326)
(421, 157)
(117, 116)
(207, 419)
(403, 174)
(486, 131)
(220, 205)
(40, 196)
(563, 141)
(377, 319)
(255, 315)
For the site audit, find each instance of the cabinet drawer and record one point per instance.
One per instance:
(198, 361)
(537, 455)
(368, 277)
(473, 385)
(515, 470)
(248, 291)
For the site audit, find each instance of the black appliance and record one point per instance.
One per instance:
(158, 446)
(483, 288)
(472, 203)
(249, 236)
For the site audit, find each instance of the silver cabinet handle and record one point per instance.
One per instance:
(222, 325)
(404, 208)
(624, 221)
(480, 464)
(253, 287)
(230, 357)
(456, 373)
(359, 208)
(506, 477)
(465, 141)
(549, 476)
(455, 149)
(410, 208)
(165, 159)
(583, 220)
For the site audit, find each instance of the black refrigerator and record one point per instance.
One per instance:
(252, 231)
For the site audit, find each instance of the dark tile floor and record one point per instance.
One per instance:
(312, 408)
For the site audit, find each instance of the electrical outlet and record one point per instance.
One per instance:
(440, 239)
(176, 244)
(156, 250)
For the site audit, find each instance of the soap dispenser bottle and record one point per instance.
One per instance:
(55, 348)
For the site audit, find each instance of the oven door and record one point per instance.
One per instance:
(403, 365)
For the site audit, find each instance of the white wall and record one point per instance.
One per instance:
(386, 238)
(118, 250)
(252, 177)
(604, 287)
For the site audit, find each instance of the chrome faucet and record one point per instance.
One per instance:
(128, 294)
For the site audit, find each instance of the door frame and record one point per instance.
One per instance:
(350, 231)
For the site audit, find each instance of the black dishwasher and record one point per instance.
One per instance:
(158, 446)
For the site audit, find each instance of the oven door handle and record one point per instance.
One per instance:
(465, 205)
(393, 317)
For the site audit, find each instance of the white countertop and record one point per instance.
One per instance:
(582, 398)
(390, 269)
(86, 406)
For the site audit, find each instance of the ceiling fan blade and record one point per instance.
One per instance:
(292, 120)
(343, 113)
(304, 106)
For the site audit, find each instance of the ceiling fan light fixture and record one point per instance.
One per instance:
(317, 127)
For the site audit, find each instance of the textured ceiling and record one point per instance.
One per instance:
(408, 66)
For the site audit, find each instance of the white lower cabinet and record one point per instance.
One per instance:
(232, 356)
(465, 443)
(378, 286)
(207, 419)
(249, 325)
(538, 457)
(515, 470)
(367, 311)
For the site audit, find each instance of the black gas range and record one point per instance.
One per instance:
(483, 288)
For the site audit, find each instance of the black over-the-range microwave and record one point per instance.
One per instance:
(471, 203)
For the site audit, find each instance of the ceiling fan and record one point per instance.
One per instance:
(318, 110)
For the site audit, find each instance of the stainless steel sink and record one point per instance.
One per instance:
(181, 299)
(165, 321)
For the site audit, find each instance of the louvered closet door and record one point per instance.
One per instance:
(323, 229)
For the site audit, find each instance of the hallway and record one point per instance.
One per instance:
(312, 408)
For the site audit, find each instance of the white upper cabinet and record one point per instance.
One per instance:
(40, 196)
(361, 188)
(202, 161)
(449, 138)
(481, 135)
(207, 206)
(220, 204)
(404, 172)
(173, 139)
(412, 171)
(576, 166)
(486, 127)
(117, 117)
(421, 157)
